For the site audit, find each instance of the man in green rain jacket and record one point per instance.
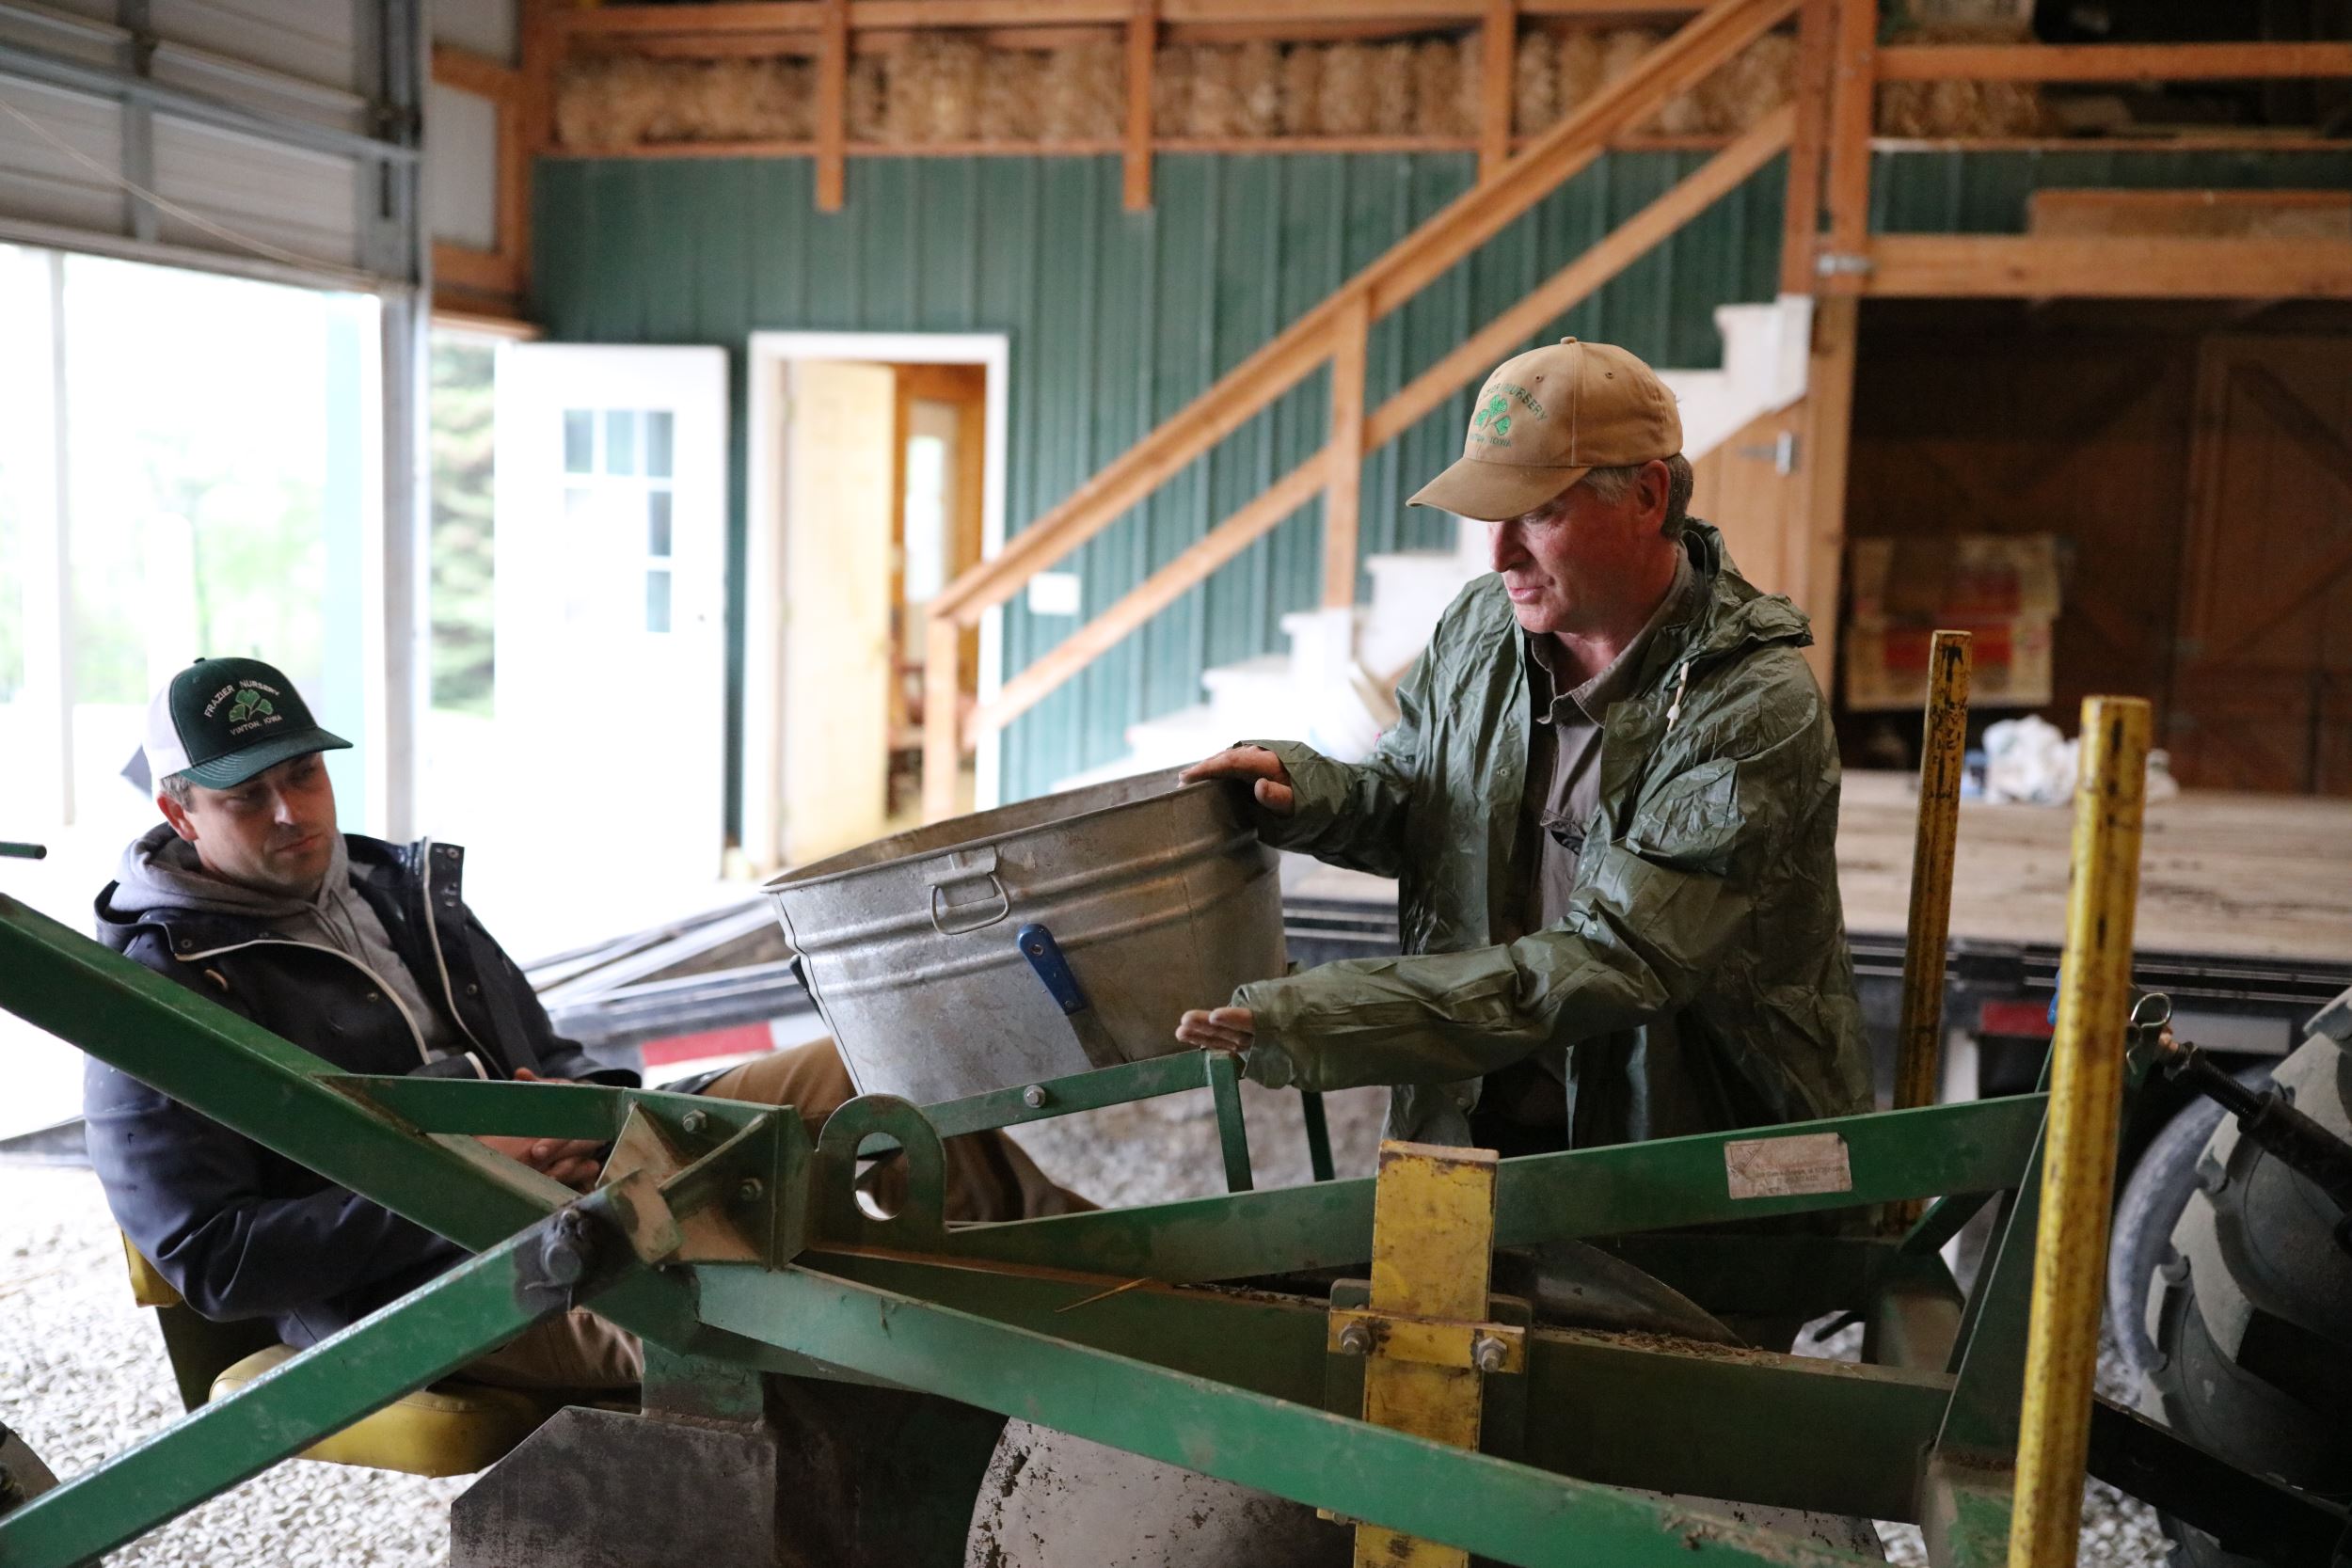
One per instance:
(1610, 806)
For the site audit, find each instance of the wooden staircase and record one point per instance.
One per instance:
(1332, 334)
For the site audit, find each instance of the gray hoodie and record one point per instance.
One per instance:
(160, 871)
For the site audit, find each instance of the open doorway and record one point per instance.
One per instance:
(876, 478)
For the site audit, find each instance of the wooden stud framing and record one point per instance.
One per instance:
(1143, 29)
(832, 105)
(494, 283)
(1853, 87)
(1801, 228)
(1343, 491)
(1498, 65)
(2027, 266)
(2111, 62)
(1817, 549)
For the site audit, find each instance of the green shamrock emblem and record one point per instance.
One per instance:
(248, 703)
(1497, 408)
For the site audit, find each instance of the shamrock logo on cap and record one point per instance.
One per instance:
(248, 703)
(1495, 419)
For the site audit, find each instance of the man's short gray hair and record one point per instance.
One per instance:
(1611, 486)
(176, 787)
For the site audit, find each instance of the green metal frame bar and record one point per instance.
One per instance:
(1681, 1417)
(1659, 1185)
(426, 1334)
(283, 1097)
(1498, 1509)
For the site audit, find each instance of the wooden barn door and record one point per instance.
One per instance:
(2263, 687)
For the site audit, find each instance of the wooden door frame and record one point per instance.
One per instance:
(767, 361)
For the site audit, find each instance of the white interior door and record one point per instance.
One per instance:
(610, 599)
(840, 440)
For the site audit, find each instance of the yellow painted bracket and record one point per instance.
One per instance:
(1425, 1336)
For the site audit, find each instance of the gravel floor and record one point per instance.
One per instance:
(84, 1374)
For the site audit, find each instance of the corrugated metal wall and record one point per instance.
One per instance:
(1117, 318)
(1115, 321)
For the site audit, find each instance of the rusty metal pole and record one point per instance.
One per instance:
(2078, 1139)
(1919, 1033)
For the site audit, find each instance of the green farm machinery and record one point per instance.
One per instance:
(828, 1384)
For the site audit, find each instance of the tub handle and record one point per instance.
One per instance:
(966, 866)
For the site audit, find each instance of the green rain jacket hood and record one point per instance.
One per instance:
(1705, 895)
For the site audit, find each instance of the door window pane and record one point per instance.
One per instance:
(657, 599)
(620, 441)
(658, 522)
(657, 443)
(580, 441)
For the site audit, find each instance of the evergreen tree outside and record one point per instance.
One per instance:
(463, 610)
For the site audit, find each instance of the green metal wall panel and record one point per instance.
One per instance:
(1115, 321)
(1117, 318)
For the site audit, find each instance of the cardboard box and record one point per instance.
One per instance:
(2003, 590)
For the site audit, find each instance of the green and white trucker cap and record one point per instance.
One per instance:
(222, 720)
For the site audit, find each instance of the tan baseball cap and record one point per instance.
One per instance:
(1547, 419)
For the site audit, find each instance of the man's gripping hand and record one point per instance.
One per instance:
(1272, 783)
(1217, 1028)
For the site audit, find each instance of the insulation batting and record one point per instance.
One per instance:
(932, 90)
(1961, 108)
(1013, 85)
(1172, 90)
(1536, 84)
(1084, 93)
(867, 103)
(1302, 90)
(1392, 83)
(1436, 89)
(1347, 90)
(1581, 69)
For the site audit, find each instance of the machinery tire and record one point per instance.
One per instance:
(2250, 1310)
(2141, 1230)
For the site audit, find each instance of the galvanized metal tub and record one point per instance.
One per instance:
(1159, 896)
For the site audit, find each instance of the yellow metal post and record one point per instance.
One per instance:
(1433, 1223)
(1919, 1033)
(2078, 1142)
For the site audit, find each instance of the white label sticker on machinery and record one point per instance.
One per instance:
(1788, 1167)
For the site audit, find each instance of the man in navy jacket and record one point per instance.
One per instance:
(363, 953)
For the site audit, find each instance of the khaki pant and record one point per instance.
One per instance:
(988, 1176)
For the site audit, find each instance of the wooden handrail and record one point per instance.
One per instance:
(1464, 225)
(1323, 333)
(1622, 247)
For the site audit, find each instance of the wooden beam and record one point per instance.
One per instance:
(478, 271)
(1814, 562)
(468, 71)
(1155, 592)
(1498, 69)
(2024, 266)
(1230, 19)
(749, 16)
(1800, 222)
(1619, 249)
(2111, 62)
(1343, 491)
(1854, 88)
(832, 106)
(1455, 231)
(1143, 42)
